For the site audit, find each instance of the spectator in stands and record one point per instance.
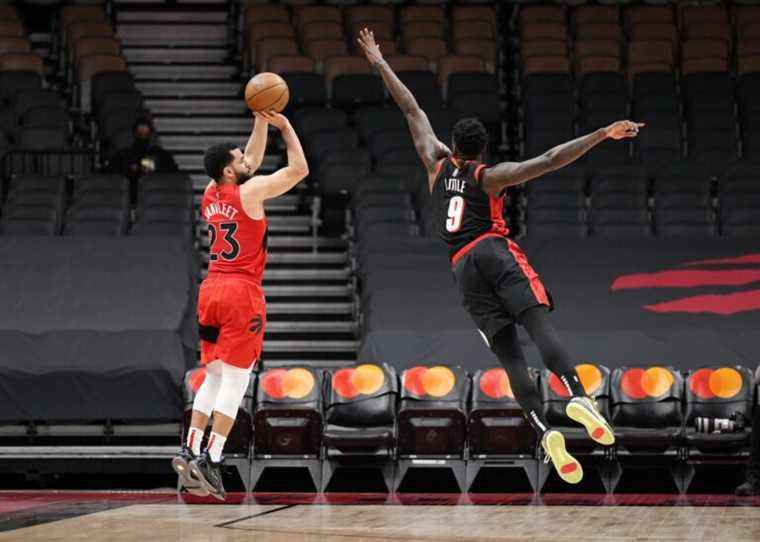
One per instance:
(751, 485)
(142, 157)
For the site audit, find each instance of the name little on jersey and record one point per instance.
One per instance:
(219, 208)
(454, 184)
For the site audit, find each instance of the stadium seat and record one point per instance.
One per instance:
(21, 62)
(13, 82)
(497, 429)
(717, 392)
(287, 422)
(432, 419)
(270, 47)
(360, 419)
(11, 44)
(646, 407)
(423, 29)
(431, 48)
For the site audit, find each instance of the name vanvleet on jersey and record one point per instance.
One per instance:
(219, 208)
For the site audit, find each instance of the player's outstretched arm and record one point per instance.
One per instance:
(257, 143)
(264, 187)
(427, 144)
(496, 178)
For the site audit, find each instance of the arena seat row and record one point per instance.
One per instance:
(271, 30)
(298, 416)
(707, 89)
(99, 205)
(683, 203)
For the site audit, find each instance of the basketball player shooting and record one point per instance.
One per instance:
(231, 306)
(498, 287)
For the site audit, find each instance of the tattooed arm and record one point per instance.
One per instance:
(498, 177)
(428, 147)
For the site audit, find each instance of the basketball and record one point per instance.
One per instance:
(267, 91)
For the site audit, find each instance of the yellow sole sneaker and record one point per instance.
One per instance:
(580, 410)
(568, 468)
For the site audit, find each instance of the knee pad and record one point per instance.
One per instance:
(207, 394)
(232, 390)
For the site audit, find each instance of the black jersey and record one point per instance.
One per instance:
(464, 213)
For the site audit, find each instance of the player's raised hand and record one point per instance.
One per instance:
(623, 129)
(277, 120)
(370, 47)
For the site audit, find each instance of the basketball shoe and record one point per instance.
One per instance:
(181, 465)
(568, 468)
(584, 411)
(209, 474)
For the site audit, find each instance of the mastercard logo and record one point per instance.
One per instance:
(640, 383)
(435, 381)
(711, 383)
(589, 375)
(196, 379)
(354, 381)
(495, 384)
(287, 383)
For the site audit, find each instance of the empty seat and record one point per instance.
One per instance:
(321, 30)
(96, 45)
(352, 82)
(309, 121)
(271, 47)
(709, 30)
(665, 32)
(266, 13)
(10, 44)
(544, 48)
(308, 14)
(260, 31)
(650, 56)
(322, 49)
(360, 14)
(646, 407)
(543, 31)
(423, 29)
(453, 64)
(473, 29)
(12, 83)
(11, 28)
(483, 48)
(599, 31)
(24, 62)
(431, 48)
(305, 88)
(411, 13)
(541, 14)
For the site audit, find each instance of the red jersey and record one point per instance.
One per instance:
(238, 243)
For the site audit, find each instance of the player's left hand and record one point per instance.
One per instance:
(370, 47)
(623, 129)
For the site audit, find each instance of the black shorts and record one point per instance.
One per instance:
(497, 283)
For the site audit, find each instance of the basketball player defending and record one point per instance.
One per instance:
(497, 285)
(231, 306)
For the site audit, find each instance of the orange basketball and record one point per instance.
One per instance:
(267, 91)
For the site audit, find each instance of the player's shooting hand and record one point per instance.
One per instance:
(370, 47)
(623, 129)
(275, 119)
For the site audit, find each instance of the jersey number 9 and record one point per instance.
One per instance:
(456, 210)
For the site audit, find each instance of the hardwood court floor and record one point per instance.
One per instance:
(162, 517)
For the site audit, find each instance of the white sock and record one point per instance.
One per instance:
(194, 438)
(215, 446)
